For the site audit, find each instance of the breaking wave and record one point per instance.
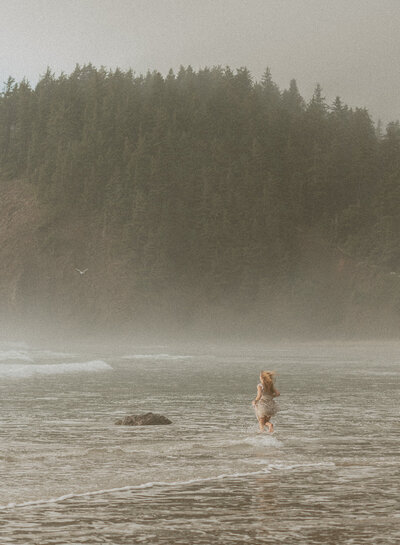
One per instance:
(19, 355)
(154, 357)
(26, 371)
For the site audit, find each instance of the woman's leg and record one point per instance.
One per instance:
(270, 425)
(261, 422)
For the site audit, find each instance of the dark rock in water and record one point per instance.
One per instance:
(148, 419)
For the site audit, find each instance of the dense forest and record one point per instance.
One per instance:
(197, 196)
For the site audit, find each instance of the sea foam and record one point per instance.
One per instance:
(26, 371)
(260, 440)
(154, 357)
(20, 355)
(267, 469)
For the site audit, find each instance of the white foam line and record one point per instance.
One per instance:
(27, 371)
(154, 357)
(18, 355)
(151, 484)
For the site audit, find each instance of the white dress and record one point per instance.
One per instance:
(266, 406)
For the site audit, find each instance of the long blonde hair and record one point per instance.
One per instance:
(267, 380)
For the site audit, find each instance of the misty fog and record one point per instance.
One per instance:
(199, 272)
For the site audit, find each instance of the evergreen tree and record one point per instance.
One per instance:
(203, 180)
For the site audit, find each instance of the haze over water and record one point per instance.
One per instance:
(329, 474)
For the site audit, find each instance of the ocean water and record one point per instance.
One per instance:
(329, 474)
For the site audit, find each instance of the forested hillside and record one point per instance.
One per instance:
(196, 198)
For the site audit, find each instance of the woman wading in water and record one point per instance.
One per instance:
(264, 404)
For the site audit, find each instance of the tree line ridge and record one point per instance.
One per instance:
(199, 185)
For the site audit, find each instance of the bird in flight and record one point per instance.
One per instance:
(81, 272)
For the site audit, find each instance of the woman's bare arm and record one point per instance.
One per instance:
(276, 393)
(259, 392)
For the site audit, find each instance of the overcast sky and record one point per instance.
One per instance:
(351, 47)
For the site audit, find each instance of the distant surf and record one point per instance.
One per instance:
(26, 371)
(154, 357)
(52, 354)
(8, 355)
